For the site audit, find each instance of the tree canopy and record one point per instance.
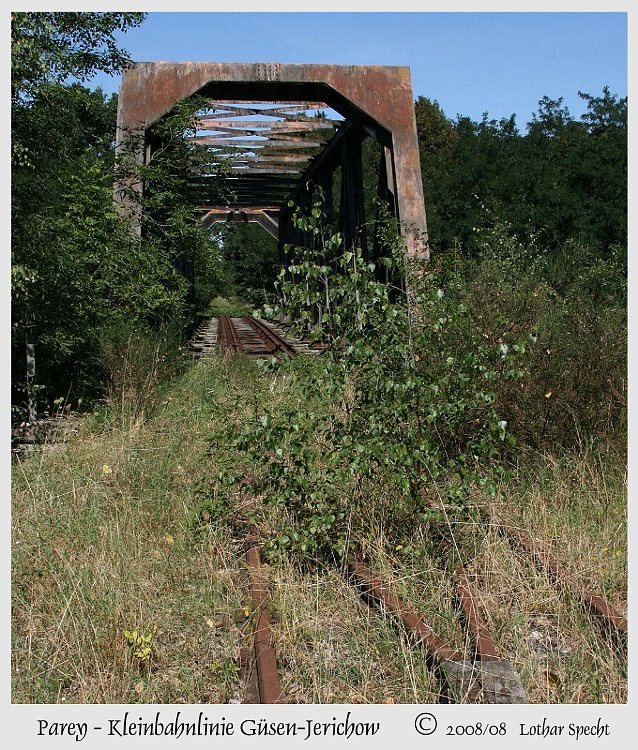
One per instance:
(55, 47)
(561, 179)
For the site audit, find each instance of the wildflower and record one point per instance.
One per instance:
(169, 539)
(106, 470)
(399, 547)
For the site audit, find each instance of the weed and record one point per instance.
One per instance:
(379, 449)
(142, 646)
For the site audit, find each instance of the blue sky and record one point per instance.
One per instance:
(501, 63)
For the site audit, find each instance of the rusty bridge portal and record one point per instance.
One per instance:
(284, 126)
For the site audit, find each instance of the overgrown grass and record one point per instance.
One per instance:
(233, 306)
(142, 526)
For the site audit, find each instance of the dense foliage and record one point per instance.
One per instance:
(249, 262)
(562, 180)
(81, 274)
(405, 392)
(433, 387)
(64, 230)
(539, 222)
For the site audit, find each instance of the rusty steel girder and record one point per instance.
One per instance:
(375, 101)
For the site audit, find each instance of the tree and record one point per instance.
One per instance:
(165, 190)
(250, 260)
(605, 161)
(57, 47)
(62, 140)
(438, 141)
(562, 180)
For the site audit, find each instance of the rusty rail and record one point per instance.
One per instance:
(501, 682)
(228, 340)
(492, 680)
(262, 339)
(457, 673)
(607, 614)
(278, 342)
(268, 683)
(485, 646)
(482, 678)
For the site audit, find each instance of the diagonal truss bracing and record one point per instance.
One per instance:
(279, 126)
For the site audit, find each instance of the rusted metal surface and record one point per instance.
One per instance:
(271, 140)
(609, 615)
(485, 646)
(279, 344)
(380, 590)
(491, 680)
(500, 681)
(374, 100)
(244, 334)
(247, 335)
(228, 340)
(458, 674)
(268, 681)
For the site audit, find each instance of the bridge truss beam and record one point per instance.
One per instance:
(276, 120)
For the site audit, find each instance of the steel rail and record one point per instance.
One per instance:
(456, 672)
(501, 682)
(485, 678)
(485, 646)
(228, 340)
(607, 614)
(279, 343)
(268, 683)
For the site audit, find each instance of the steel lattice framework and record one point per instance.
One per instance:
(286, 125)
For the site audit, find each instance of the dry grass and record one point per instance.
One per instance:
(136, 529)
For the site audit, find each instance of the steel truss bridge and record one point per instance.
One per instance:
(283, 127)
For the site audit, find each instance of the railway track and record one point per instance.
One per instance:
(480, 676)
(246, 335)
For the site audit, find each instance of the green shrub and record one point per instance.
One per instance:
(574, 387)
(404, 393)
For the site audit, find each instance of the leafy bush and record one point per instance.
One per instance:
(574, 388)
(404, 393)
